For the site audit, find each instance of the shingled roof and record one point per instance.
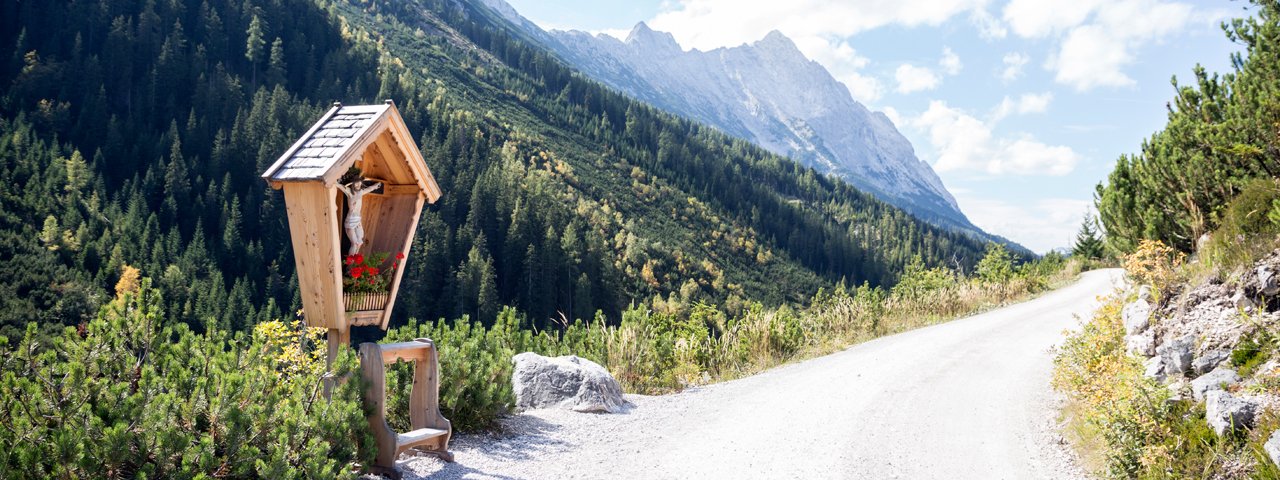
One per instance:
(323, 147)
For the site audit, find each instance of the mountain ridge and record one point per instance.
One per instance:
(816, 122)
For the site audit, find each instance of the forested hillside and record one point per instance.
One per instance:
(132, 133)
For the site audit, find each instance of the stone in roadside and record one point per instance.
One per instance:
(1154, 368)
(1226, 412)
(1141, 344)
(1272, 447)
(1209, 360)
(1268, 281)
(1241, 301)
(1213, 381)
(567, 382)
(1136, 315)
(1177, 353)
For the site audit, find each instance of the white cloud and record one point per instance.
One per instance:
(863, 88)
(1042, 18)
(963, 142)
(989, 27)
(950, 62)
(1041, 225)
(1024, 104)
(1013, 63)
(914, 79)
(1097, 39)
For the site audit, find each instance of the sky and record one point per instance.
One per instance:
(1021, 106)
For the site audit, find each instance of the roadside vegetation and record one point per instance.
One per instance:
(127, 394)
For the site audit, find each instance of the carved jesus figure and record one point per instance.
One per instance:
(355, 192)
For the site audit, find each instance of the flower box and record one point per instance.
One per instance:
(365, 301)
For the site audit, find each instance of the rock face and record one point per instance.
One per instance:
(567, 382)
(1209, 360)
(1177, 354)
(1154, 368)
(1225, 412)
(1137, 316)
(1213, 381)
(1141, 344)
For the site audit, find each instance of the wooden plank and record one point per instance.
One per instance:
(401, 189)
(313, 227)
(298, 143)
(413, 156)
(395, 160)
(408, 244)
(417, 437)
(375, 397)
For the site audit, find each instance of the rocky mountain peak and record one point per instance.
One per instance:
(643, 37)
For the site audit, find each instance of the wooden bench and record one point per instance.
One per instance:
(431, 431)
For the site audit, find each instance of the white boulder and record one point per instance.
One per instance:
(1211, 381)
(1137, 316)
(567, 382)
(1226, 412)
(1177, 353)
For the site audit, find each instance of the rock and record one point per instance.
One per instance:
(1226, 412)
(567, 382)
(1213, 381)
(1141, 344)
(1146, 294)
(1177, 391)
(1209, 360)
(1177, 354)
(1268, 281)
(1154, 368)
(1272, 447)
(1137, 316)
(1241, 301)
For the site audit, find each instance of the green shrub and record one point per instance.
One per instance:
(124, 396)
(1246, 228)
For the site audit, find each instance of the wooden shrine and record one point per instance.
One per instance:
(363, 157)
(374, 139)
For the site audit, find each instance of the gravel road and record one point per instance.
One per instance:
(965, 399)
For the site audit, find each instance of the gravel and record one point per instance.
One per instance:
(964, 399)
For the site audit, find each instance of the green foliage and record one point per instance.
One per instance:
(1089, 244)
(126, 396)
(1220, 134)
(1252, 352)
(1246, 230)
(997, 266)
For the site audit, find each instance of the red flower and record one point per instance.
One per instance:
(373, 270)
(399, 255)
(355, 272)
(359, 258)
(350, 259)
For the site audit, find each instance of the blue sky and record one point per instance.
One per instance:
(1022, 106)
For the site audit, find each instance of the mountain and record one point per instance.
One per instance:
(132, 133)
(768, 93)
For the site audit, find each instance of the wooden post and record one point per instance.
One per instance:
(338, 339)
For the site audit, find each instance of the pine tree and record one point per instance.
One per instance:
(255, 44)
(277, 69)
(1088, 245)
